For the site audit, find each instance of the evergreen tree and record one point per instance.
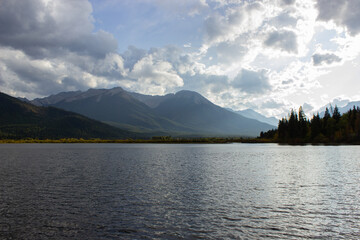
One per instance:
(327, 114)
(293, 125)
(315, 126)
(303, 128)
(283, 129)
(325, 119)
(336, 114)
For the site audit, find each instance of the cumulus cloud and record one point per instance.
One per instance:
(252, 82)
(36, 77)
(344, 13)
(235, 21)
(284, 19)
(287, 2)
(230, 52)
(132, 55)
(50, 28)
(47, 46)
(326, 58)
(272, 104)
(50, 46)
(283, 40)
(286, 82)
(189, 7)
(160, 75)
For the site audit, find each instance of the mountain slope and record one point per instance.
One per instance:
(249, 113)
(195, 111)
(19, 119)
(149, 100)
(116, 107)
(342, 110)
(349, 106)
(184, 113)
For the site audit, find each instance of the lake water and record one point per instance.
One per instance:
(164, 191)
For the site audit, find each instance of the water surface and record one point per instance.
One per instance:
(164, 191)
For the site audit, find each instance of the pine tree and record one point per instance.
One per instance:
(293, 125)
(315, 125)
(302, 124)
(336, 114)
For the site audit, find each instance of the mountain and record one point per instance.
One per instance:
(149, 100)
(53, 99)
(249, 113)
(342, 110)
(192, 109)
(184, 113)
(115, 107)
(349, 106)
(19, 120)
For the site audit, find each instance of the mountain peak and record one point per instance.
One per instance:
(196, 97)
(115, 90)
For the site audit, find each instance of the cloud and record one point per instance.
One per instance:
(132, 55)
(50, 28)
(189, 7)
(287, 2)
(327, 58)
(286, 82)
(272, 104)
(252, 82)
(156, 77)
(344, 13)
(235, 21)
(50, 46)
(284, 19)
(26, 76)
(283, 40)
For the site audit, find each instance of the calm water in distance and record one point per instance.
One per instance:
(163, 191)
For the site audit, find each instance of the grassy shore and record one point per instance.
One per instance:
(153, 140)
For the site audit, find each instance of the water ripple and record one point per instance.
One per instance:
(232, 191)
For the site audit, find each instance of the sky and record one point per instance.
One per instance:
(267, 55)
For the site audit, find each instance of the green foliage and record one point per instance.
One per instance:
(331, 129)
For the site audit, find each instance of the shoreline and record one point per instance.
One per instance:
(169, 141)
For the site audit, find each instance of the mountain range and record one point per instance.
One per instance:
(185, 113)
(20, 120)
(342, 109)
(249, 113)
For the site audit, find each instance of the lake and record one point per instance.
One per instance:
(190, 191)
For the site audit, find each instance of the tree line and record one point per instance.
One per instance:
(331, 128)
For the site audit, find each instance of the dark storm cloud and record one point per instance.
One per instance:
(342, 12)
(49, 30)
(284, 40)
(327, 58)
(252, 82)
